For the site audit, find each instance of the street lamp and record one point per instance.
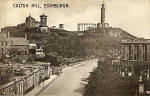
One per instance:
(43, 79)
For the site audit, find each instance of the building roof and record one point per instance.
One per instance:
(43, 15)
(29, 17)
(18, 41)
(136, 41)
(32, 44)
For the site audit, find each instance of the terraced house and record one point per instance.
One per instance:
(18, 44)
(4, 44)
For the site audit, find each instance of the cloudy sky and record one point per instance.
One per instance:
(131, 15)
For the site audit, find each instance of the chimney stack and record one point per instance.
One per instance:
(8, 34)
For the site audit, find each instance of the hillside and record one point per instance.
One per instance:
(95, 42)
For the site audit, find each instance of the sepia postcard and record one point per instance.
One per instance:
(74, 47)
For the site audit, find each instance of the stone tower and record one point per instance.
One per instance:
(103, 13)
(43, 20)
(43, 23)
(102, 23)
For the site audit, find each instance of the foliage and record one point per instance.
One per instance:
(93, 43)
(5, 78)
(105, 82)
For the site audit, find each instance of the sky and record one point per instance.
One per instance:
(132, 16)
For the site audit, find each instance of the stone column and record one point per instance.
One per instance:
(148, 52)
(83, 27)
(86, 26)
(78, 27)
(145, 49)
(140, 52)
(129, 47)
(132, 51)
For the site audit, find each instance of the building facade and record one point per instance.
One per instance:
(31, 22)
(19, 43)
(85, 26)
(43, 23)
(43, 20)
(136, 50)
(4, 44)
(7, 44)
(136, 53)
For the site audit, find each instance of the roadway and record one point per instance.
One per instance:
(72, 81)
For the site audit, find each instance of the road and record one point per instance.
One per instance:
(72, 81)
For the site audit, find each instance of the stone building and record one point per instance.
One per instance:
(136, 50)
(61, 26)
(32, 48)
(31, 22)
(86, 26)
(21, 44)
(137, 53)
(4, 44)
(43, 20)
(103, 23)
(7, 43)
(91, 26)
(43, 23)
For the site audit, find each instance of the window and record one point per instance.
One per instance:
(25, 53)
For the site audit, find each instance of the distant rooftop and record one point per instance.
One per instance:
(18, 41)
(32, 44)
(138, 40)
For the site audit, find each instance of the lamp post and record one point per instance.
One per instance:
(43, 79)
(141, 87)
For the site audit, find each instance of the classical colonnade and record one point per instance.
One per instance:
(136, 51)
(85, 26)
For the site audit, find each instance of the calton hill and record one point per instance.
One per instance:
(95, 43)
(73, 44)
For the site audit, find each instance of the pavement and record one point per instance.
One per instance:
(38, 89)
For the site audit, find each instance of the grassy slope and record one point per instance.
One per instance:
(68, 44)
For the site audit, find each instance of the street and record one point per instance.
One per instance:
(71, 82)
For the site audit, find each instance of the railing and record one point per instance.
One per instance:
(25, 84)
